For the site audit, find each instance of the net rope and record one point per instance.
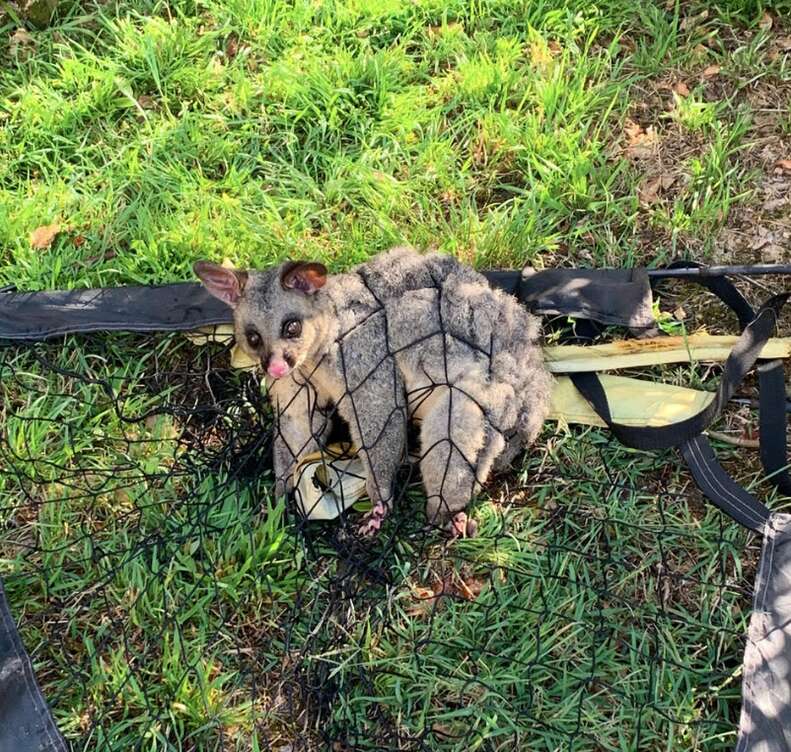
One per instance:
(167, 597)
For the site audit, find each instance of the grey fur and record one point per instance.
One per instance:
(403, 336)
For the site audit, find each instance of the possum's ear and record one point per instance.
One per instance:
(225, 284)
(307, 277)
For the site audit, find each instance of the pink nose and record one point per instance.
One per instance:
(277, 368)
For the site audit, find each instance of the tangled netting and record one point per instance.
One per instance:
(170, 602)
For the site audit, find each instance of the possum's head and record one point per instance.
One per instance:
(278, 314)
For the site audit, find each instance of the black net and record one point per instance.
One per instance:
(170, 601)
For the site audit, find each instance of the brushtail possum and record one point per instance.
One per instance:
(403, 336)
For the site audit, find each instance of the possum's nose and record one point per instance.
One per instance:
(277, 368)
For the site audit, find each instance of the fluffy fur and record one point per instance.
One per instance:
(402, 336)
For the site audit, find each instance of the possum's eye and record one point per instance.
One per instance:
(292, 328)
(253, 337)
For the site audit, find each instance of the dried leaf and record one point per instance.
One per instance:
(425, 602)
(784, 43)
(21, 37)
(78, 241)
(760, 241)
(679, 314)
(632, 130)
(443, 730)
(146, 102)
(765, 22)
(122, 497)
(783, 165)
(641, 143)
(774, 254)
(470, 588)
(554, 47)
(773, 204)
(41, 238)
(681, 89)
(21, 42)
(690, 21)
(711, 71)
(648, 191)
(232, 47)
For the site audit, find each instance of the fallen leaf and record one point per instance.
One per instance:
(681, 89)
(554, 47)
(773, 204)
(41, 238)
(679, 314)
(642, 143)
(774, 254)
(470, 588)
(632, 129)
(763, 236)
(146, 102)
(783, 165)
(731, 240)
(22, 37)
(711, 71)
(784, 43)
(443, 730)
(425, 602)
(21, 42)
(232, 47)
(121, 496)
(648, 191)
(691, 21)
(765, 22)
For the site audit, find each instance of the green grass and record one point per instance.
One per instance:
(156, 134)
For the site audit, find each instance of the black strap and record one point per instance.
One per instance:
(771, 384)
(725, 492)
(772, 422)
(742, 358)
(718, 486)
(722, 287)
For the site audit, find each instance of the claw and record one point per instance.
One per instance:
(459, 525)
(462, 526)
(372, 522)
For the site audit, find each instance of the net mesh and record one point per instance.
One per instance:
(169, 600)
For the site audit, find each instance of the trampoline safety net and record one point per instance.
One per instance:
(168, 600)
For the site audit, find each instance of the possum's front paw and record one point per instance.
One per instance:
(372, 521)
(462, 526)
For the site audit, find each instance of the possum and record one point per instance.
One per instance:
(402, 337)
